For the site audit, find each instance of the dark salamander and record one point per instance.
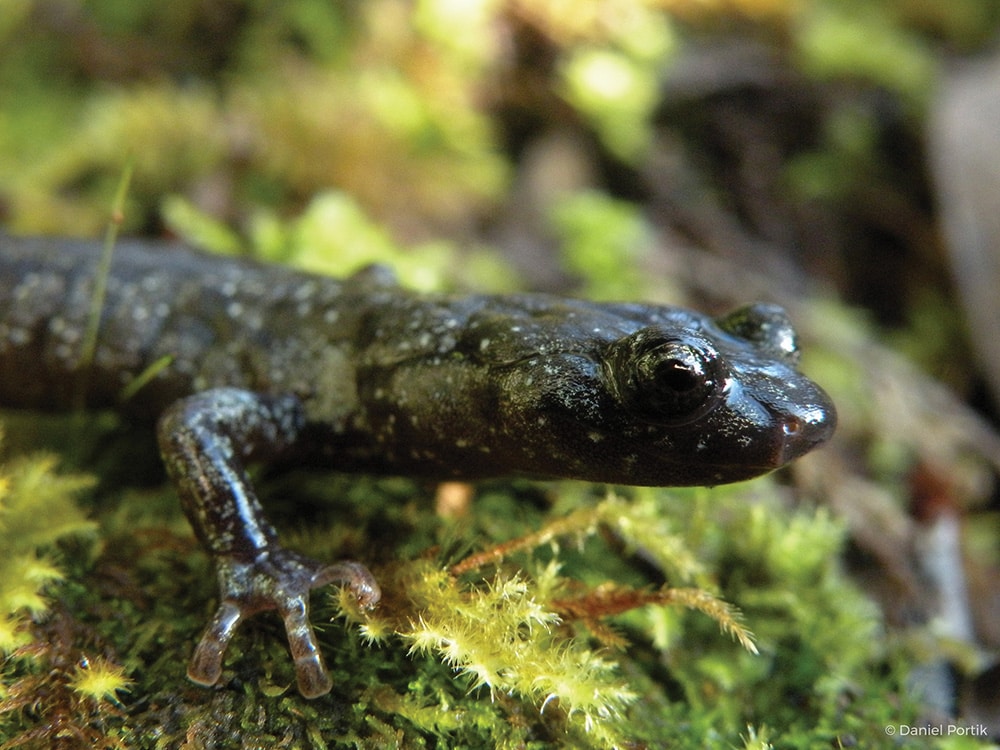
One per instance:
(360, 375)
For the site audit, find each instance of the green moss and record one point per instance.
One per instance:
(550, 636)
(37, 508)
(48, 687)
(863, 40)
(602, 240)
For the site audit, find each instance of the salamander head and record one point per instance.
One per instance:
(685, 400)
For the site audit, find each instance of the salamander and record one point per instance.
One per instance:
(259, 363)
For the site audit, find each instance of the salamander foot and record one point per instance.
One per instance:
(281, 580)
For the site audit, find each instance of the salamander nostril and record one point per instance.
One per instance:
(792, 427)
(804, 430)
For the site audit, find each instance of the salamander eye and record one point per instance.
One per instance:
(765, 326)
(666, 378)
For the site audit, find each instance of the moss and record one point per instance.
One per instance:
(553, 635)
(49, 687)
(37, 508)
(603, 241)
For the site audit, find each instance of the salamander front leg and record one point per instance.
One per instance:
(206, 441)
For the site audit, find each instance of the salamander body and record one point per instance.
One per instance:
(248, 362)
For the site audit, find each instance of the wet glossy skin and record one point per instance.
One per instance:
(363, 376)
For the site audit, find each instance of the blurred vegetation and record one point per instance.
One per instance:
(444, 137)
(412, 108)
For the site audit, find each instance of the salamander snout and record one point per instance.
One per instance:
(803, 428)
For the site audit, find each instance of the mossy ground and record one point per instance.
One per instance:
(513, 652)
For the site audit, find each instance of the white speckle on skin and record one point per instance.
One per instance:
(304, 291)
(253, 320)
